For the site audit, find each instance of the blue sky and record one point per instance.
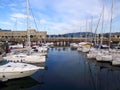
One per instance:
(59, 16)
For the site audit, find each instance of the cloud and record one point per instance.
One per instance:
(18, 15)
(68, 15)
(62, 16)
(5, 23)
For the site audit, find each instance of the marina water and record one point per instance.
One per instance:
(68, 69)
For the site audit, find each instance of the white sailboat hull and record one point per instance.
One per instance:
(25, 58)
(107, 58)
(116, 61)
(85, 50)
(91, 55)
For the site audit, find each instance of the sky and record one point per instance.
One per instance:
(60, 16)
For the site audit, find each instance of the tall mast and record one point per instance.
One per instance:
(86, 30)
(91, 29)
(95, 36)
(28, 33)
(101, 42)
(16, 24)
(80, 32)
(111, 24)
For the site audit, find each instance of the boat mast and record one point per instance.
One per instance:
(95, 36)
(80, 32)
(91, 29)
(111, 25)
(101, 42)
(28, 27)
(86, 31)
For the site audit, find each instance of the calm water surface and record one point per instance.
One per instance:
(68, 69)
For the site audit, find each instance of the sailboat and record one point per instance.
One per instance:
(87, 45)
(106, 55)
(23, 57)
(93, 52)
(26, 57)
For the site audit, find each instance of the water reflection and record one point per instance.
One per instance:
(104, 76)
(18, 84)
(70, 70)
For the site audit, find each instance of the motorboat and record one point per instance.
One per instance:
(11, 70)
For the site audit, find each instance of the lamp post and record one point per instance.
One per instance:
(6, 47)
(23, 43)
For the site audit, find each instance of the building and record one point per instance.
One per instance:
(18, 36)
(115, 35)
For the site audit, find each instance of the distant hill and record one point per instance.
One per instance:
(82, 34)
(77, 34)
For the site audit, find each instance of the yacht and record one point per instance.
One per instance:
(11, 70)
